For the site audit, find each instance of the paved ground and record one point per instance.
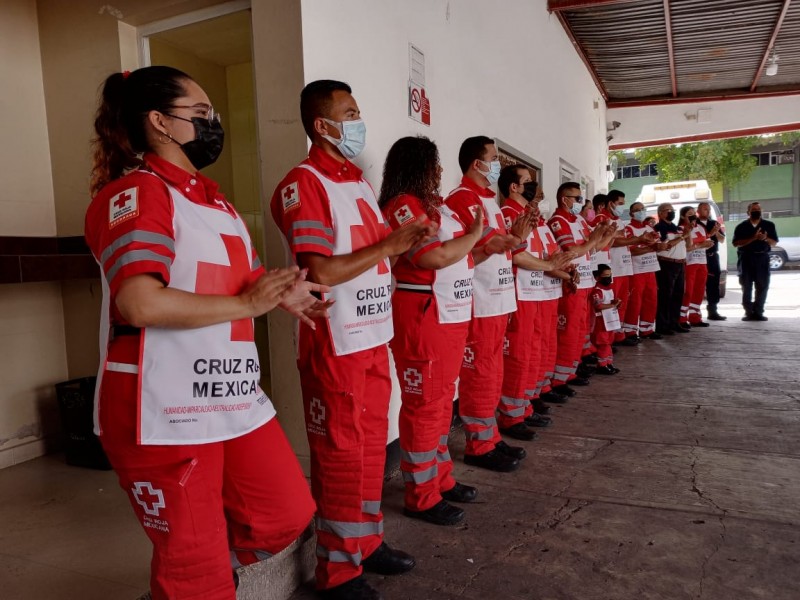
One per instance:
(677, 479)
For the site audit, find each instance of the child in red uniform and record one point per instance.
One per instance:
(602, 300)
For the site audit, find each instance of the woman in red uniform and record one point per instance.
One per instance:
(179, 410)
(432, 307)
(696, 269)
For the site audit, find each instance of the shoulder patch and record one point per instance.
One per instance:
(556, 226)
(404, 215)
(290, 197)
(123, 206)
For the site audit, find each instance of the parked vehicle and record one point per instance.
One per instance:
(788, 248)
(687, 193)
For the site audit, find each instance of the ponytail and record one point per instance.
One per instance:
(121, 136)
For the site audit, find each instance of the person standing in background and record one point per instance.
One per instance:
(716, 235)
(753, 239)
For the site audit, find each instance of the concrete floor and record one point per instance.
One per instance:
(678, 478)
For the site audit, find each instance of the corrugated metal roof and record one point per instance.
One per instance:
(718, 45)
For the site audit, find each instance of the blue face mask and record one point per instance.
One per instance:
(494, 171)
(616, 210)
(640, 215)
(576, 208)
(353, 140)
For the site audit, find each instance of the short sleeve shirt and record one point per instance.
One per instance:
(464, 201)
(129, 223)
(746, 230)
(400, 212)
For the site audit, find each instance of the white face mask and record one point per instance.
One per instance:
(494, 171)
(353, 137)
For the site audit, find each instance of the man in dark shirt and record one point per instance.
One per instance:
(671, 250)
(753, 239)
(715, 234)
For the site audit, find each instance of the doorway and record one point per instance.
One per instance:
(215, 49)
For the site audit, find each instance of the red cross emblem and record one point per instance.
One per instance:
(150, 499)
(123, 206)
(413, 377)
(317, 411)
(370, 232)
(403, 215)
(228, 280)
(469, 355)
(290, 197)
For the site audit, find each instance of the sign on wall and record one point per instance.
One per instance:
(419, 105)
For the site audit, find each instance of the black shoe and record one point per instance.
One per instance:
(584, 371)
(716, 317)
(614, 349)
(540, 406)
(511, 451)
(537, 420)
(631, 340)
(441, 513)
(388, 561)
(700, 324)
(605, 370)
(589, 359)
(615, 369)
(760, 318)
(653, 336)
(519, 431)
(679, 329)
(579, 381)
(663, 332)
(559, 394)
(353, 589)
(494, 460)
(460, 493)
(748, 318)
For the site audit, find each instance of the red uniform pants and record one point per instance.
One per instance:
(427, 357)
(640, 315)
(346, 400)
(480, 382)
(205, 507)
(622, 290)
(602, 340)
(548, 338)
(572, 330)
(588, 345)
(694, 290)
(521, 358)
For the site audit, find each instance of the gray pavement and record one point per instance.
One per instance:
(677, 479)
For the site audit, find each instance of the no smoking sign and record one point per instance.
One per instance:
(419, 105)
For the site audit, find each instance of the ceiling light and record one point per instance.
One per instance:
(772, 67)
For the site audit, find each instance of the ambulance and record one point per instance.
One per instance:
(687, 193)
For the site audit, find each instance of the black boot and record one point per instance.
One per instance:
(388, 561)
(460, 493)
(441, 513)
(512, 451)
(537, 420)
(519, 431)
(353, 589)
(540, 406)
(494, 460)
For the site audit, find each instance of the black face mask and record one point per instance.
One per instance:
(755, 215)
(205, 148)
(692, 219)
(606, 281)
(529, 191)
(671, 215)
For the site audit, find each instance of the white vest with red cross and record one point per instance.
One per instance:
(621, 260)
(361, 318)
(698, 255)
(202, 385)
(647, 262)
(493, 282)
(580, 233)
(553, 286)
(452, 285)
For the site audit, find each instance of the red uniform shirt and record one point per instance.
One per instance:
(129, 224)
(560, 225)
(511, 211)
(301, 208)
(463, 203)
(400, 212)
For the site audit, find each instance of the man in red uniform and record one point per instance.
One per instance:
(333, 227)
(572, 232)
(523, 349)
(493, 299)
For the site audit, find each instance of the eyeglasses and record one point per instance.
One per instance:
(578, 199)
(210, 114)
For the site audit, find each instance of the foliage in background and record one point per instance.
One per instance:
(720, 161)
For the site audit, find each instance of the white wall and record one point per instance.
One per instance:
(668, 121)
(506, 70)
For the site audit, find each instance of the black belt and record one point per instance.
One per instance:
(120, 330)
(712, 253)
(418, 288)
